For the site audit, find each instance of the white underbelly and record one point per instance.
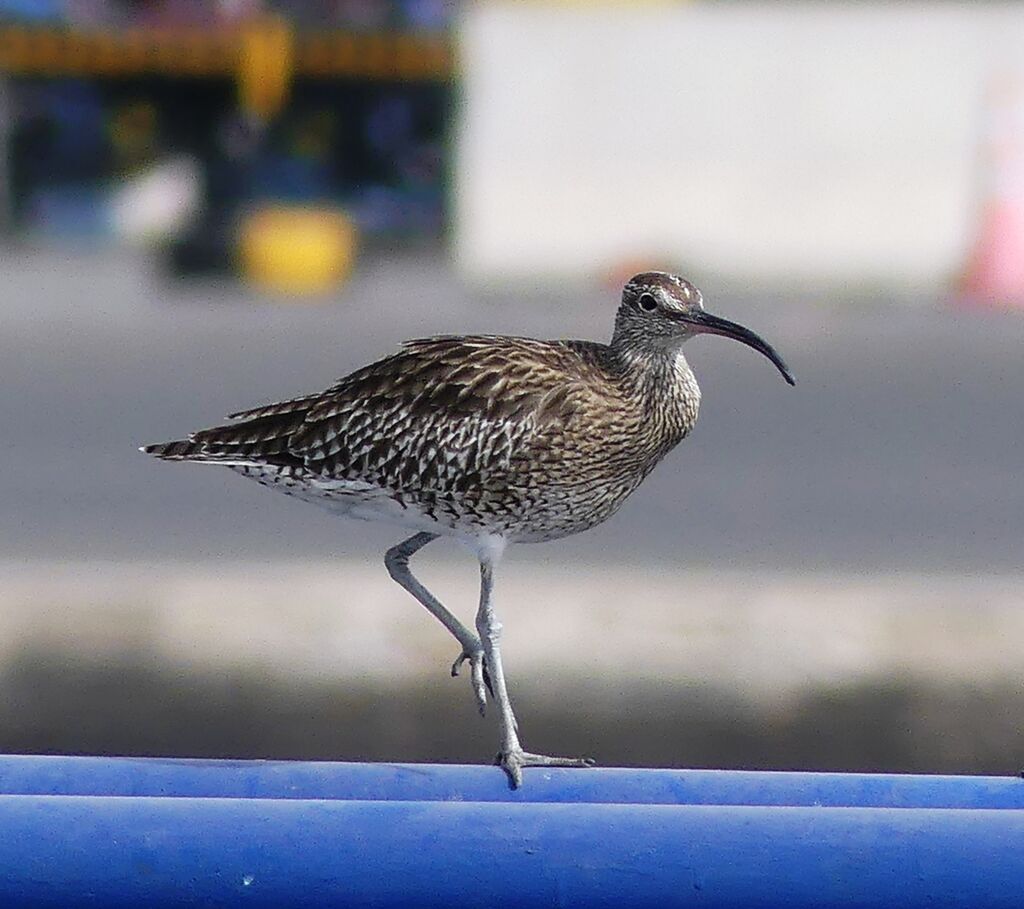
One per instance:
(359, 500)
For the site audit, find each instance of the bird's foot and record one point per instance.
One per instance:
(479, 677)
(514, 760)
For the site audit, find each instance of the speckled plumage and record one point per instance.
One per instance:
(529, 440)
(491, 440)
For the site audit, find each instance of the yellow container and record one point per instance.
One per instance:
(296, 250)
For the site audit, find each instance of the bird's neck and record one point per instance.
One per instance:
(662, 382)
(654, 365)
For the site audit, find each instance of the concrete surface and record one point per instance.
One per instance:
(763, 638)
(653, 669)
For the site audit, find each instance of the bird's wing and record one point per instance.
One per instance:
(440, 410)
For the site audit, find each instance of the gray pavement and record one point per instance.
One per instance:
(901, 447)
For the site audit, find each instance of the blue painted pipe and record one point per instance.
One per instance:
(60, 851)
(155, 833)
(60, 775)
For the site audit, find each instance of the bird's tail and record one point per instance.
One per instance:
(262, 437)
(188, 450)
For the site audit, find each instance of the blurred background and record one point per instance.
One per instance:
(209, 205)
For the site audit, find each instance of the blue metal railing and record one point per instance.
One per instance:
(116, 832)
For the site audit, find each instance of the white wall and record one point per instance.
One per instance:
(759, 141)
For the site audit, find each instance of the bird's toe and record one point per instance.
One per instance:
(513, 760)
(479, 677)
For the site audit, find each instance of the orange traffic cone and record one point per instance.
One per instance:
(994, 274)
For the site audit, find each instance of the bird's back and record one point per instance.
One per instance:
(480, 434)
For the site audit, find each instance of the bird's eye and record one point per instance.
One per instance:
(647, 302)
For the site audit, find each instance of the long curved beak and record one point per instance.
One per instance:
(706, 323)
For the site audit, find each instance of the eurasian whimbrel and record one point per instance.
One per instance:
(490, 440)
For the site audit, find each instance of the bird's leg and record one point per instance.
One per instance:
(397, 562)
(512, 759)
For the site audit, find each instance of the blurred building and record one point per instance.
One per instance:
(170, 121)
(820, 143)
(756, 142)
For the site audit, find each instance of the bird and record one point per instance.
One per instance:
(488, 439)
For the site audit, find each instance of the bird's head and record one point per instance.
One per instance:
(660, 310)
